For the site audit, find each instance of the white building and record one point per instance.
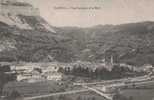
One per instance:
(30, 76)
(22, 69)
(53, 76)
(50, 68)
(24, 76)
(147, 67)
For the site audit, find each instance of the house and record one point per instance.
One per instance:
(53, 76)
(147, 67)
(23, 76)
(127, 66)
(50, 68)
(53, 67)
(21, 69)
(25, 67)
(33, 75)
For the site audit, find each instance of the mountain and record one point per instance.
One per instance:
(26, 36)
(131, 43)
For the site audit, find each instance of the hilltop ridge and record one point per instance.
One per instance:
(131, 42)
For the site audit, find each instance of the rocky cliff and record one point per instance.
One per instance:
(26, 37)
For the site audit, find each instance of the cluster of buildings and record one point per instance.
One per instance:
(33, 72)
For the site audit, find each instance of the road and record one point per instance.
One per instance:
(107, 96)
(140, 83)
(139, 79)
(55, 94)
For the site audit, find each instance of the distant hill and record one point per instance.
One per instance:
(132, 43)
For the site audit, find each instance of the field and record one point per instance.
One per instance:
(146, 93)
(78, 96)
(33, 89)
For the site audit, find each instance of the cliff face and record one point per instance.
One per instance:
(24, 35)
(22, 15)
(17, 8)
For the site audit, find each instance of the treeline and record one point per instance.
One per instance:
(100, 73)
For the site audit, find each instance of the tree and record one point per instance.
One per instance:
(15, 95)
(93, 98)
(79, 98)
(62, 97)
(119, 97)
(51, 98)
(38, 70)
(4, 78)
(131, 98)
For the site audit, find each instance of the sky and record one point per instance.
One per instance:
(71, 12)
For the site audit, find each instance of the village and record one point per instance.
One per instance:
(35, 72)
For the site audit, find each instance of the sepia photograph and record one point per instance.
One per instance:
(76, 50)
